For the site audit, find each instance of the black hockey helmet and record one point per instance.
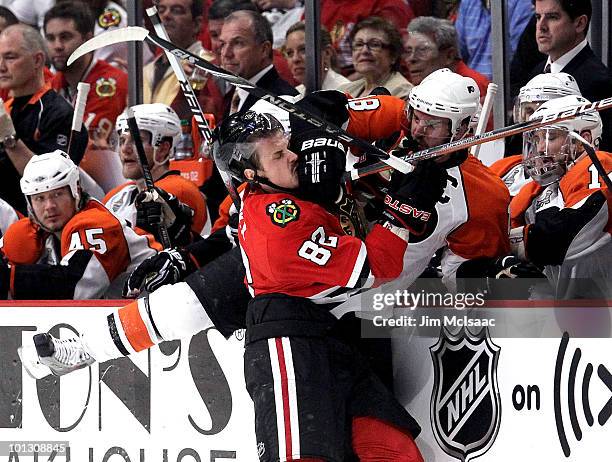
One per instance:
(233, 147)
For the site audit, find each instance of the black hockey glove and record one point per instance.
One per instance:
(158, 206)
(321, 164)
(411, 198)
(511, 267)
(167, 267)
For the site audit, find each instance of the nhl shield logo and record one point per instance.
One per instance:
(465, 402)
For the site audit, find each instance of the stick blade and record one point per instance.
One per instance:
(125, 34)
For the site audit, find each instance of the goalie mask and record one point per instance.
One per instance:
(157, 119)
(549, 151)
(447, 95)
(46, 172)
(542, 88)
(234, 142)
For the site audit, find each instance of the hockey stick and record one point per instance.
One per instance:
(487, 106)
(79, 113)
(134, 33)
(192, 100)
(457, 145)
(146, 171)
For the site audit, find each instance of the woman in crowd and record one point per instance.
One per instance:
(377, 49)
(295, 54)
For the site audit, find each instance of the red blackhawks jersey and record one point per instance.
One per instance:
(512, 172)
(471, 220)
(297, 248)
(566, 226)
(96, 246)
(107, 96)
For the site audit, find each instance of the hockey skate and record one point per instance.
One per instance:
(49, 355)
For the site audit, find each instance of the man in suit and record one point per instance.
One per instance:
(561, 30)
(246, 50)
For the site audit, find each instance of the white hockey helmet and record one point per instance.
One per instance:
(446, 94)
(49, 171)
(542, 88)
(158, 119)
(550, 150)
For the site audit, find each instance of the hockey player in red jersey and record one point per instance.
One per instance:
(299, 264)
(561, 221)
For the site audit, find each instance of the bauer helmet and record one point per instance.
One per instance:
(233, 146)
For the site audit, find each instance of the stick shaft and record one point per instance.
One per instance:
(146, 171)
(485, 113)
(79, 113)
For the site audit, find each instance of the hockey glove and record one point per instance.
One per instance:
(321, 164)
(511, 267)
(411, 198)
(167, 267)
(158, 206)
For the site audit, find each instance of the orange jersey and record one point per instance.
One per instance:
(510, 169)
(107, 96)
(95, 248)
(566, 227)
(120, 200)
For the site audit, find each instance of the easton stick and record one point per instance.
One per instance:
(135, 33)
(192, 100)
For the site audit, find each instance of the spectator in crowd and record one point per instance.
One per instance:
(561, 31)
(109, 16)
(432, 44)
(7, 18)
(182, 20)
(70, 246)
(159, 128)
(246, 50)
(474, 29)
(340, 16)
(40, 119)
(561, 221)
(377, 50)
(68, 25)
(219, 10)
(295, 53)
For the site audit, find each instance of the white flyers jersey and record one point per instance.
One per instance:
(471, 221)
